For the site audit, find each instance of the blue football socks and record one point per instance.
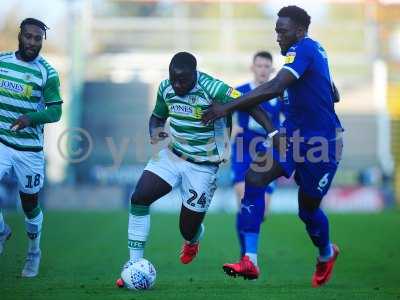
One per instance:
(249, 219)
(317, 226)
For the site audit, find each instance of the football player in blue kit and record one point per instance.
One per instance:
(248, 139)
(310, 147)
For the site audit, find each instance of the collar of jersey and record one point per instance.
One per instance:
(196, 86)
(295, 44)
(26, 62)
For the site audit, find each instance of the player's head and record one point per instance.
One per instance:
(182, 72)
(291, 26)
(262, 66)
(30, 38)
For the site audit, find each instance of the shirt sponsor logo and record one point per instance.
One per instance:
(3, 70)
(289, 58)
(181, 109)
(15, 87)
(187, 110)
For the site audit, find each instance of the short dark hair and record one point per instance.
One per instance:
(263, 54)
(183, 60)
(296, 14)
(33, 21)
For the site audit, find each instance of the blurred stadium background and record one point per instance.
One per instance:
(112, 54)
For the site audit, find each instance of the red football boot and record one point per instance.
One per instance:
(189, 252)
(120, 283)
(324, 269)
(244, 268)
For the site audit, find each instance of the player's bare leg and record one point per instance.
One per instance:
(192, 230)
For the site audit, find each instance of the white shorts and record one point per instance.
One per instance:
(196, 182)
(27, 166)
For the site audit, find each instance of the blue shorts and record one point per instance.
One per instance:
(314, 168)
(240, 162)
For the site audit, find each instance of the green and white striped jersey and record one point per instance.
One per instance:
(25, 87)
(189, 137)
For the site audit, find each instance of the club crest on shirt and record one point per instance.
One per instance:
(27, 77)
(192, 99)
(289, 58)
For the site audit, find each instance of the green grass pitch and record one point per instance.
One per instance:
(82, 254)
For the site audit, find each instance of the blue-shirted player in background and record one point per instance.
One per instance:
(248, 138)
(313, 156)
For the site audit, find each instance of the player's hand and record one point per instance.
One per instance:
(20, 123)
(216, 111)
(158, 136)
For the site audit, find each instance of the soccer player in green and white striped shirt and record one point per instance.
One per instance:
(191, 161)
(29, 98)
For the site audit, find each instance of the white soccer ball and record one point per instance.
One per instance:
(138, 275)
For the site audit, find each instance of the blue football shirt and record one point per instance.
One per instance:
(309, 104)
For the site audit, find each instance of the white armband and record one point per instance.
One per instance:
(268, 142)
(273, 133)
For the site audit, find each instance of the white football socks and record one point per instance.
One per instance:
(253, 257)
(138, 231)
(33, 229)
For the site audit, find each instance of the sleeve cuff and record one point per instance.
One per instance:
(53, 102)
(156, 115)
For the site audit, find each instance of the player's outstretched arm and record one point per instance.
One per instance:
(264, 92)
(261, 117)
(156, 129)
